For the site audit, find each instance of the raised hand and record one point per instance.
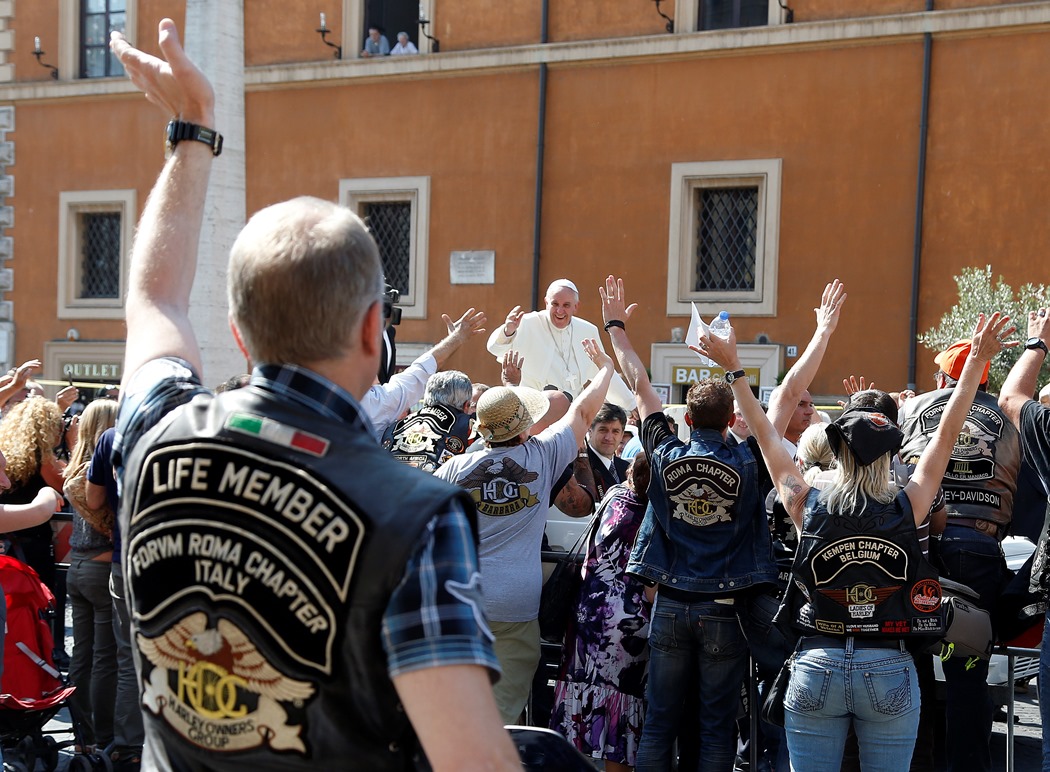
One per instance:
(1039, 324)
(595, 353)
(466, 326)
(510, 326)
(511, 372)
(989, 337)
(721, 352)
(24, 370)
(831, 301)
(614, 305)
(176, 85)
(66, 397)
(851, 386)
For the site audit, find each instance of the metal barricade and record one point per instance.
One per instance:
(1012, 653)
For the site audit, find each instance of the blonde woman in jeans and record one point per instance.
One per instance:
(867, 678)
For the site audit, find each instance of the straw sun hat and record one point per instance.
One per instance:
(504, 412)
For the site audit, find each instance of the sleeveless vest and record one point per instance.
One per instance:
(705, 528)
(981, 477)
(429, 437)
(263, 543)
(862, 574)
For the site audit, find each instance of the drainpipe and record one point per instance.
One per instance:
(920, 194)
(541, 137)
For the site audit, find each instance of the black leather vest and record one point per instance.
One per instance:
(262, 545)
(429, 437)
(862, 574)
(981, 477)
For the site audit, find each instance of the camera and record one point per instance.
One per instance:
(390, 311)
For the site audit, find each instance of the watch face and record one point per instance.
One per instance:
(1032, 343)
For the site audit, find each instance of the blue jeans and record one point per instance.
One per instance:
(692, 643)
(876, 689)
(976, 560)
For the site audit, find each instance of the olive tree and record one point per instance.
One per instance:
(980, 292)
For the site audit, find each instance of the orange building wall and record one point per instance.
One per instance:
(845, 122)
(37, 19)
(473, 136)
(278, 31)
(592, 21)
(123, 129)
(470, 24)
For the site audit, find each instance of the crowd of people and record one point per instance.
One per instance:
(323, 563)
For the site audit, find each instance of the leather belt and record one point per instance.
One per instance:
(836, 642)
(994, 530)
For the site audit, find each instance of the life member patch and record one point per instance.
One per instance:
(499, 487)
(269, 551)
(702, 490)
(416, 438)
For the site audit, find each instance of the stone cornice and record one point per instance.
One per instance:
(875, 30)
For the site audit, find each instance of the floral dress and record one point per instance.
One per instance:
(599, 700)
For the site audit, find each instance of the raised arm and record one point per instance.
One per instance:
(786, 477)
(1021, 383)
(164, 255)
(926, 479)
(586, 406)
(615, 309)
(786, 396)
(16, 382)
(468, 326)
(502, 338)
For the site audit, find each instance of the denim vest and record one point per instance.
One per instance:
(705, 528)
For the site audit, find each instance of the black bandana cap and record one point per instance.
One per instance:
(868, 433)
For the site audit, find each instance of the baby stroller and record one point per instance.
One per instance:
(33, 690)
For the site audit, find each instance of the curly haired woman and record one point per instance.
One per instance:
(29, 434)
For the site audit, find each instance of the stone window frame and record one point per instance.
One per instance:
(71, 203)
(415, 190)
(686, 178)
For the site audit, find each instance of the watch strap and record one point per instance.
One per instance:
(1033, 343)
(184, 130)
(735, 375)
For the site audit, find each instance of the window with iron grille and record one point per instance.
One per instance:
(397, 212)
(724, 230)
(391, 225)
(97, 19)
(94, 236)
(726, 235)
(99, 254)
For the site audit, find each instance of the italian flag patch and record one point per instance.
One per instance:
(277, 433)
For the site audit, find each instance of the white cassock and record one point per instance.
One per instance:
(554, 356)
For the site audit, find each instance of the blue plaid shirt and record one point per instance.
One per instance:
(435, 616)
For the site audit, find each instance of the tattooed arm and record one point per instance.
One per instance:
(786, 477)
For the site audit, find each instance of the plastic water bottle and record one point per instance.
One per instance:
(720, 325)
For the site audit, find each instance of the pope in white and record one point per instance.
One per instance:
(550, 343)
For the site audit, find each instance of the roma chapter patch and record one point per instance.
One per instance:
(702, 490)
